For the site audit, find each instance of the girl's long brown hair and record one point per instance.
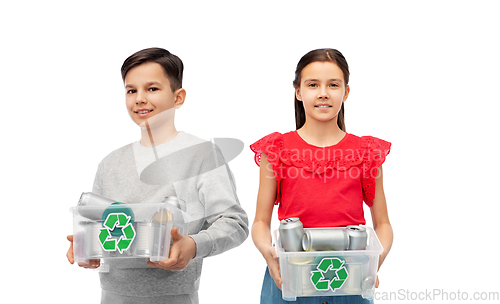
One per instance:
(322, 55)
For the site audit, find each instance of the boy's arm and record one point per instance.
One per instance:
(226, 222)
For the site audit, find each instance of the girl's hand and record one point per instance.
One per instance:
(92, 264)
(273, 265)
(182, 251)
(376, 284)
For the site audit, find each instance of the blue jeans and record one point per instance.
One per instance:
(271, 294)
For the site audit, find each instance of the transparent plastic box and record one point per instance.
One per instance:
(329, 273)
(121, 231)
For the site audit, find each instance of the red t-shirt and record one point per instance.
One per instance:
(323, 186)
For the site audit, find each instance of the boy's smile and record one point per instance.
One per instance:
(148, 93)
(143, 112)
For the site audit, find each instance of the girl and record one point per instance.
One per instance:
(318, 173)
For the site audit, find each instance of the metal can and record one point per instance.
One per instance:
(91, 199)
(144, 239)
(291, 231)
(353, 283)
(299, 280)
(92, 246)
(325, 239)
(357, 237)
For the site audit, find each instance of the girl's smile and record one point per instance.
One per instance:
(323, 106)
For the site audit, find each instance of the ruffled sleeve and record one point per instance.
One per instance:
(272, 146)
(375, 151)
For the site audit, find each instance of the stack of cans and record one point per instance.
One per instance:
(293, 237)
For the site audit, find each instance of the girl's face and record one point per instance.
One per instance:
(148, 92)
(322, 91)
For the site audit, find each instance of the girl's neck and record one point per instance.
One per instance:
(155, 136)
(321, 133)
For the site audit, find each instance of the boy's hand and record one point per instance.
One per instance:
(92, 264)
(182, 251)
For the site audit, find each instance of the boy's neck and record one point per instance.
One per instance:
(321, 133)
(157, 136)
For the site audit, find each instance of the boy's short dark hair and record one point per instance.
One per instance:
(172, 65)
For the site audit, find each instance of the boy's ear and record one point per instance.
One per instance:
(297, 94)
(180, 96)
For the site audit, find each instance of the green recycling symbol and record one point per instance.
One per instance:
(117, 221)
(327, 265)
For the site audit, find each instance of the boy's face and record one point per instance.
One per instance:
(148, 92)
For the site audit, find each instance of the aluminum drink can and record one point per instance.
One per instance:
(325, 239)
(92, 199)
(357, 237)
(291, 231)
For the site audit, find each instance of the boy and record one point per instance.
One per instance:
(166, 162)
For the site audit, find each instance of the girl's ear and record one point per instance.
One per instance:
(346, 93)
(297, 94)
(180, 96)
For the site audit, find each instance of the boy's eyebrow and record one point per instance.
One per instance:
(147, 84)
(153, 82)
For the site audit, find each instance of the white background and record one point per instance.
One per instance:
(424, 76)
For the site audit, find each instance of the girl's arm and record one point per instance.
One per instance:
(261, 228)
(380, 218)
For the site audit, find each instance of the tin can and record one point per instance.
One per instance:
(291, 231)
(91, 199)
(353, 282)
(300, 279)
(325, 239)
(357, 237)
(92, 246)
(144, 239)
